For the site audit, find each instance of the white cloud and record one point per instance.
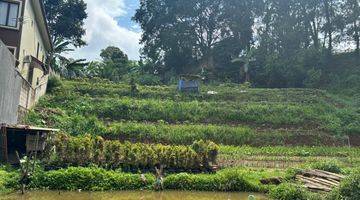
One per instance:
(103, 30)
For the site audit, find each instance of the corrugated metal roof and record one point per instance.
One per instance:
(27, 127)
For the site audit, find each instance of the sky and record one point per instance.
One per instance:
(109, 23)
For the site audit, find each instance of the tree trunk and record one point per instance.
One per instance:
(357, 39)
(315, 35)
(328, 24)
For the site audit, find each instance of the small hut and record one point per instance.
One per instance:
(189, 83)
(22, 139)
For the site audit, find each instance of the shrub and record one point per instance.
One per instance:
(91, 179)
(288, 191)
(8, 180)
(225, 180)
(54, 82)
(349, 188)
(328, 165)
(85, 150)
(98, 179)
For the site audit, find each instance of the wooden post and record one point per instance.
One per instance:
(4, 149)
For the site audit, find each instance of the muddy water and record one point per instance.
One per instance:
(131, 195)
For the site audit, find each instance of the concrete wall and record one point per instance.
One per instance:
(10, 87)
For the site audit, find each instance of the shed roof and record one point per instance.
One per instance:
(27, 127)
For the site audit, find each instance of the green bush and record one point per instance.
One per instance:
(85, 150)
(54, 82)
(288, 191)
(98, 179)
(91, 179)
(8, 180)
(349, 188)
(328, 165)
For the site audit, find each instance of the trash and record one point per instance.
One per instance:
(212, 92)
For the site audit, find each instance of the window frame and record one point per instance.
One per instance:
(19, 13)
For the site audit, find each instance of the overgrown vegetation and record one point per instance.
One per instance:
(98, 179)
(86, 151)
(259, 114)
(349, 188)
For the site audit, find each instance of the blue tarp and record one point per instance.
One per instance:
(185, 85)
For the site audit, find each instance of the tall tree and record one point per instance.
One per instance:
(115, 63)
(66, 24)
(184, 35)
(352, 17)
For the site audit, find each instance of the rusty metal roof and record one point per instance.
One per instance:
(27, 127)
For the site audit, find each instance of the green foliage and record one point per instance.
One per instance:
(329, 165)
(66, 20)
(180, 42)
(98, 179)
(295, 41)
(53, 84)
(288, 191)
(349, 188)
(8, 180)
(85, 150)
(102, 108)
(291, 151)
(148, 79)
(90, 179)
(226, 180)
(275, 114)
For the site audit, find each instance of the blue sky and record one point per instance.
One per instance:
(109, 23)
(131, 6)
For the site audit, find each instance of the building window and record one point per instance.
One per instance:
(9, 14)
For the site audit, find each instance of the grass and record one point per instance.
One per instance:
(284, 157)
(106, 108)
(287, 127)
(7, 180)
(98, 179)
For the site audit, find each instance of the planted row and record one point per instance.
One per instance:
(224, 93)
(194, 111)
(181, 134)
(95, 179)
(85, 151)
(233, 151)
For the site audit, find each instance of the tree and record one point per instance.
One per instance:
(184, 36)
(115, 63)
(66, 25)
(115, 55)
(352, 20)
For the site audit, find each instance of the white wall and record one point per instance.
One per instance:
(30, 38)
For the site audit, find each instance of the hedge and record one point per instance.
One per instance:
(98, 179)
(85, 150)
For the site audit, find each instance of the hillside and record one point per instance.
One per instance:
(236, 115)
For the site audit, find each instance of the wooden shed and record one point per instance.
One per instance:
(22, 139)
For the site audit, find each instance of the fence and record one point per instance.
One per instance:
(10, 87)
(17, 95)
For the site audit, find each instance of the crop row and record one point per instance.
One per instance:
(181, 134)
(85, 151)
(223, 93)
(242, 151)
(95, 179)
(336, 120)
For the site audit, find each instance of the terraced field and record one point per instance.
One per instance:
(256, 127)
